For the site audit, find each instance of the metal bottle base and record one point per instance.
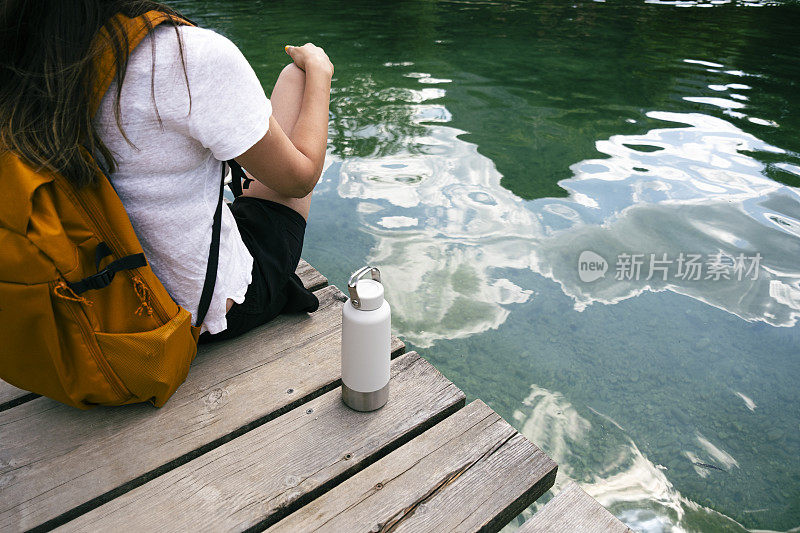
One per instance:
(365, 401)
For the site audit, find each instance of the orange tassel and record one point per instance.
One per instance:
(144, 295)
(62, 290)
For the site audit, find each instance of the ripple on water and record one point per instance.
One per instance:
(689, 199)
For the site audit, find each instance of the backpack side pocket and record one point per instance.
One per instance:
(152, 364)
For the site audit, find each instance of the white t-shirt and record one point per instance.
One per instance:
(169, 183)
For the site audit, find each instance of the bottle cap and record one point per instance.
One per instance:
(370, 293)
(372, 296)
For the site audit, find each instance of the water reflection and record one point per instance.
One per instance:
(443, 223)
(628, 483)
(700, 194)
(463, 225)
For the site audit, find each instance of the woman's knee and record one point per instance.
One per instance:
(292, 75)
(287, 96)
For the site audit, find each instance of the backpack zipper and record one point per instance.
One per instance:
(111, 239)
(94, 350)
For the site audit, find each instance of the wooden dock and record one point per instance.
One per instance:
(258, 438)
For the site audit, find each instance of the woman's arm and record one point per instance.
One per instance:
(291, 165)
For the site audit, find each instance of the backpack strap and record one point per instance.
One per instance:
(133, 31)
(235, 185)
(213, 256)
(237, 175)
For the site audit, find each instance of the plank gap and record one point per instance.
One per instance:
(19, 400)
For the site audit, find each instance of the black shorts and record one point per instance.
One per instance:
(273, 233)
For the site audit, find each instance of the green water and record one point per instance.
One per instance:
(477, 148)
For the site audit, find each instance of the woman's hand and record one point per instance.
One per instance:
(310, 56)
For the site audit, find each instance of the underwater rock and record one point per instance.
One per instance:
(702, 344)
(774, 434)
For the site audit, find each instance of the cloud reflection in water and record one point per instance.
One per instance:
(444, 224)
(628, 481)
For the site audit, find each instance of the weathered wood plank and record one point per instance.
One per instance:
(232, 387)
(470, 472)
(312, 279)
(11, 396)
(573, 510)
(262, 476)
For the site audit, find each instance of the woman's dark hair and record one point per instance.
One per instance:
(46, 75)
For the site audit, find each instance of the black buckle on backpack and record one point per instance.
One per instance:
(99, 280)
(104, 277)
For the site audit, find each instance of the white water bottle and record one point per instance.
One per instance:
(366, 342)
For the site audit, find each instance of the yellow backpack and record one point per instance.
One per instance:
(83, 318)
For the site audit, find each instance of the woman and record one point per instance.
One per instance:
(185, 100)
